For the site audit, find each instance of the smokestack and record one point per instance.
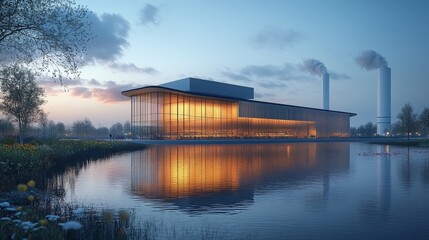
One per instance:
(370, 60)
(383, 100)
(325, 87)
(316, 67)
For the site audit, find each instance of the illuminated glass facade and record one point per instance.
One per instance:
(163, 113)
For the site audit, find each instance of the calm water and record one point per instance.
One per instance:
(266, 191)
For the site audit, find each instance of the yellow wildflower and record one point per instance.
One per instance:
(31, 183)
(43, 222)
(30, 198)
(124, 215)
(22, 187)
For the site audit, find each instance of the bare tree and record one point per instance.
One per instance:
(22, 97)
(424, 120)
(407, 120)
(83, 128)
(367, 130)
(117, 130)
(50, 34)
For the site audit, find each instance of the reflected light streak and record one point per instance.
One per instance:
(195, 170)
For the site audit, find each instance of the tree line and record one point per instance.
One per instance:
(21, 104)
(46, 129)
(408, 123)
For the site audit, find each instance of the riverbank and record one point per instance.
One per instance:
(21, 162)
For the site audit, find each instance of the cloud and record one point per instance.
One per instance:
(81, 92)
(46, 81)
(53, 86)
(111, 32)
(278, 39)
(272, 85)
(52, 91)
(149, 14)
(263, 71)
(338, 76)
(313, 66)
(108, 92)
(235, 76)
(316, 67)
(251, 73)
(105, 92)
(94, 82)
(111, 93)
(370, 60)
(131, 67)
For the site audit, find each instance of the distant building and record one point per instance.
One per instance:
(194, 108)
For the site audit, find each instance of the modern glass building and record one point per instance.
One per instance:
(193, 108)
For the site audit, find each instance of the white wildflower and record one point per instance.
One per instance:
(79, 210)
(52, 217)
(71, 225)
(28, 225)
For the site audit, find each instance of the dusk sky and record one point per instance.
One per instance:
(261, 44)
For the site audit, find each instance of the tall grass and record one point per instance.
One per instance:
(31, 214)
(19, 162)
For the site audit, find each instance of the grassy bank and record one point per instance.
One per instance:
(28, 213)
(22, 162)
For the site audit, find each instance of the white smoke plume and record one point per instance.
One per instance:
(314, 66)
(370, 60)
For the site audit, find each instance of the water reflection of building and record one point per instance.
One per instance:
(378, 205)
(384, 179)
(201, 176)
